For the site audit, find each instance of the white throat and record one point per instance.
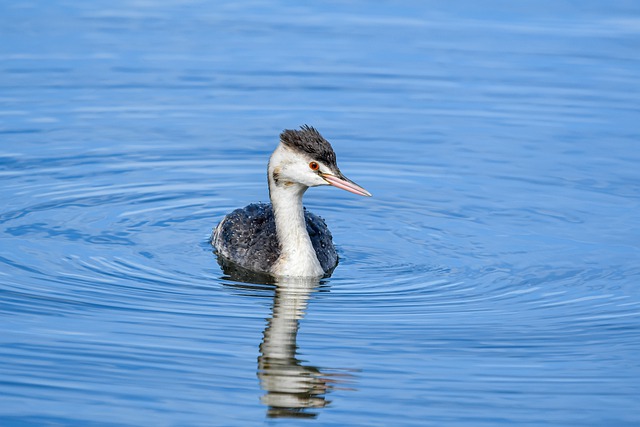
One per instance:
(297, 256)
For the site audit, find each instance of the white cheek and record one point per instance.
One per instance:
(318, 180)
(308, 178)
(297, 169)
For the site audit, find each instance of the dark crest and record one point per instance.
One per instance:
(309, 140)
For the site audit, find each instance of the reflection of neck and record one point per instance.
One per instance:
(280, 336)
(290, 386)
(297, 256)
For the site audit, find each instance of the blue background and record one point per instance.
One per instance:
(492, 279)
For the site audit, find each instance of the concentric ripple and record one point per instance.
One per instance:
(417, 275)
(492, 279)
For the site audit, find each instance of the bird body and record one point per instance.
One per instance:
(247, 237)
(282, 239)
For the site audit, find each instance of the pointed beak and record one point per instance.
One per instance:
(344, 183)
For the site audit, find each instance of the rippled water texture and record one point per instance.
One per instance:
(492, 279)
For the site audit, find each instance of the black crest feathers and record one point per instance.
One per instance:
(309, 141)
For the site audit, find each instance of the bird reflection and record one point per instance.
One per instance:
(292, 388)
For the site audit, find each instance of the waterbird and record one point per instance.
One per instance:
(284, 239)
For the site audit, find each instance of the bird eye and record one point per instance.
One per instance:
(314, 166)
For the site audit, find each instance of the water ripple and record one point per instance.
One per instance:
(491, 279)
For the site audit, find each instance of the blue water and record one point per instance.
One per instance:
(492, 279)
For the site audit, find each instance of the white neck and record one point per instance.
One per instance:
(297, 256)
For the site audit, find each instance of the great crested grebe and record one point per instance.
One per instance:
(283, 238)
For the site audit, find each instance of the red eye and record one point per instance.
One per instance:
(314, 166)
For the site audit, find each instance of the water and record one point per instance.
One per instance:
(492, 279)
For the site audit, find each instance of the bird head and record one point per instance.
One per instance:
(305, 158)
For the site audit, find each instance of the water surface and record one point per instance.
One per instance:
(492, 279)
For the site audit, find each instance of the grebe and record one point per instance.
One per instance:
(283, 239)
